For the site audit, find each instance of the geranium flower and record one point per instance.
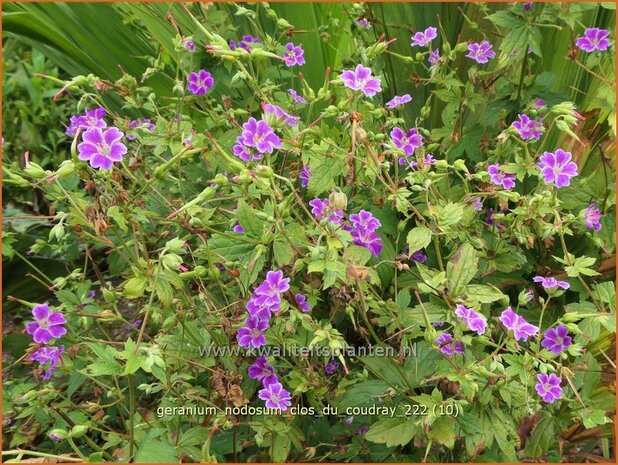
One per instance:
(46, 325)
(557, 168)
(276, 115)
(199, 83)
(365, 220)
(473, 320)
(364, 23)
(260, 135)
(189, 45)
(262, 310)
(556, 339)
(448, 346)
(481, 53)
(245, 153)
(331, 367)
(293, 55)
(262, 371)
(238, 229)
(304, 176)
(421, 39)
(297, 98)
(398, 100)
(500, 178)
(522, 330)
(592, 215)
(268, 292)
(418, 257)
(406, 141)
(361, 79)
(51, 355)
(434, 57)
(550, 282)
(92, 118)
(368, 239)
(101, 149)
(548, 387)
(252, 334)
(528, 128)
(593, 39)
(301, 300)
(275, 397)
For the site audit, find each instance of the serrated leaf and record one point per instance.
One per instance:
(462, 268)
(392, 431)
(418, 238)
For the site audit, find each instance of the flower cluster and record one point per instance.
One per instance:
(266, 299)
(320, 208)
(92, 118)
(522, 330)
(528, 128)
(256, 139)
(407, 142)
(273, 394)
(47, 325)
(363, 231)
(473, 320)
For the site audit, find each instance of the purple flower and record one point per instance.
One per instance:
(54, 437)
(362, 430)
(260, 135)
(556, 339)
(43, 355)
(398, 100)
(252, 334)
(527, 5)
(301, 300)
(275, 396)
(364, 23)
(448, 346)
(528, 128)
(551, 282)
(101, 149)
(331, 367)
(481, 53)
(262, 371)
(476, 202)
(418, 256)
(406, 141)
(318, 206)
(474, 321)
(365, 220)
(522, 330)
(593, 39)
(500, 178)
(421, 39)
(92, 118)
(490, 216)
(434, 57)
(361, 79)
(200, 82)
(268, 293)
(297, 98)
(592, 215)
(245, 153)
(369, 240)
(246, 42)
(238, 229)
(46, 325)
(557, 168)
(132, 326)
(293, 55)
(189, 45)
(538, 103)
(548, 387)
(262, 311)
(304, 176)
(276, 115)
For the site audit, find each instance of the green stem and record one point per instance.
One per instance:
(131, 415)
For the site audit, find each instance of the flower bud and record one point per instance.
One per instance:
(460, 165)
(36, 171)
(66, 169)
(338, 200)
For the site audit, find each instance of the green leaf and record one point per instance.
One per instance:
(283, 252)
(229, 248)
(484, 294)
(418, 238)
(106, 363)
(581, 265)
(252, 224)
(542, 437)
(443, 431)
(155, 450)
(324, 170)
(281, 447)
(392, 431)
(361, 393)
(135, 287)
(115, 214)
(461, 269)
